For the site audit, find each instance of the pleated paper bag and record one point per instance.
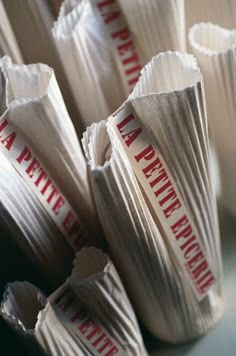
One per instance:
(215, 50)
(104, 44)
(31, 228)
(31, 23)
(149, 166)
(44, 189)
(69, 324)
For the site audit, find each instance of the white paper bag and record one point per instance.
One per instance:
(149, 165)
(68, 324)
(103, 46)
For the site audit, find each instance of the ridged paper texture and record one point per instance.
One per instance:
(36, 44)
(20, 306)
(157, 25)
(101, 291)
(37, 111)
(88, 315)
(8, 43)
(169, 102)
(92, 59)
(32, 229)
(88, 60)
(215, 50)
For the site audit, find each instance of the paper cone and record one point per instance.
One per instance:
(37, 111)
(32, 22)
(8, 44)
(215, 49)
(88, 60)
(69, 324)
(31, 227)
(169, 104)
(101, 291)
(20, 306)
(103, 46)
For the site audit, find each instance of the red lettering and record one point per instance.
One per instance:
(185, 244)
(65, 305)
(32, 167)
(131, 59)
(98, 340)
(195, 259)
(45, 187)
(180, 223)
(133, 70)
(171, 208)
(86, 325)
(121, 34)
(199, 269)
(112, 351)
(152, 167)
(25, 155)
(41, 176)
(125, 121)
(171, 194)
(8, 141)
(107, 16)
(96, 330)
(190, 248)
(123, 48)
(80, 315)
(161, 177)
(147, 154)
(107, 343)
(185, 233)
(133, 81)
(3, 125)
(162, 189)
(207, 284)
(69, 219)
(54, 192)
(58, 205)
(131, 136)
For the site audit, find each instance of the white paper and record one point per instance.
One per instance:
(169, 102)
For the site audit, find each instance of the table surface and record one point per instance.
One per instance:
(221, 340)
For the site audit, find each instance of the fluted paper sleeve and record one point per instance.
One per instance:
(104, 44)
(149, 165)
(92, 317)
(215, 48)
(37, 112)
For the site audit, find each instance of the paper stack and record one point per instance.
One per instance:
(149, 166)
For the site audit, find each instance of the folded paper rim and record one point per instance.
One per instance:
(91, 276)
(37, 69)
(14, 321)
(161, 60)
(68, 20)
(215, 29)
